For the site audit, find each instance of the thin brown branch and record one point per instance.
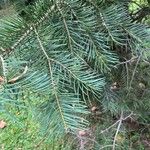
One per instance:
(127, 61)
(13, 80)
(123, 119)
(134, 71)
(118, 129)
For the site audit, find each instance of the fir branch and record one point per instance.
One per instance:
(66, 28)
(102, 16)
(53, 82)
(31, 28)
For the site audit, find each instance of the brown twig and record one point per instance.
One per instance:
(19, 76)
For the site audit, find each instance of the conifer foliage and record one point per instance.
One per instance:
(69, 55)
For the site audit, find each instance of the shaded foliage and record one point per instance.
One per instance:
(78, 61)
